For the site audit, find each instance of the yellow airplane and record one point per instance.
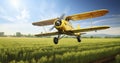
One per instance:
(64, 27)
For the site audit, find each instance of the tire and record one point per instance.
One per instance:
(78, 39)
(55, 40)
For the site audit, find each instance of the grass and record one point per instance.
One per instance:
(118, 58)
(68, 50)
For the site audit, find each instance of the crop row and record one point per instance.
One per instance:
(118, 58)
(29, 53)
(37, 50)
(77, 57)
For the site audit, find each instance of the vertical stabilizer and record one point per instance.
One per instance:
(78, 26)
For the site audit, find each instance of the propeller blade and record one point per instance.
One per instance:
(62, 16)
(51, 28)
(59, 20)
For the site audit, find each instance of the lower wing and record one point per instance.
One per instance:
(76, 30)
(47, 34)
(89, 29)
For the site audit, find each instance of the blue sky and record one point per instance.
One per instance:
(17, 15)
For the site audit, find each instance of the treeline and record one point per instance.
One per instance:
(19, 34)
(100, 37)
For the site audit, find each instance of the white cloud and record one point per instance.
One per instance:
(118, 15)
(112, 19)
(8, 18)
(108, 20)
(18, 23)
(22, 16)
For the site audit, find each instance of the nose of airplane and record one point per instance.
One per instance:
(58, 23)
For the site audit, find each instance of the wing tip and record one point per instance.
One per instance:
(104, 27)
(33, 24)
(38, 35)
(104, 10)
(36, 24)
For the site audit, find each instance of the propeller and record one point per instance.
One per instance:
(51, 28)
(58, 22)
(61, 17)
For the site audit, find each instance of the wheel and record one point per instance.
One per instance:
(78, 39)
(55, 40)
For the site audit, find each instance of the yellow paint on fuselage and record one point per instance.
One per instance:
(65, 25)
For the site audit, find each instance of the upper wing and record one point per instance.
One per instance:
(45, 22)
(47, 34)
(89, 29)
(86, 15)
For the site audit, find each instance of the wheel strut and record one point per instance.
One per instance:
(78, 39)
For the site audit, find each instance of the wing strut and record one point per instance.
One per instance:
(91, 21)
(44, 29)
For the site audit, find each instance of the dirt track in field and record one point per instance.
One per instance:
(105, 60)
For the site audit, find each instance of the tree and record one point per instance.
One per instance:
(18, 34)
(91, 37)
(1, 34)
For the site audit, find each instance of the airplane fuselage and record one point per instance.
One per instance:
(64, 26)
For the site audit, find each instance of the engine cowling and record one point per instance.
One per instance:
(58, 23)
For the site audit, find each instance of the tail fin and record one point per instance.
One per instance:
(78, 26)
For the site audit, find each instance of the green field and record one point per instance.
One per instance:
(68, 50)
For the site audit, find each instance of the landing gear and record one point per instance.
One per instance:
(78, 39)
(55, 40)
